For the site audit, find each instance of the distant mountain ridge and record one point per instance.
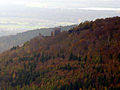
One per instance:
(7, 42)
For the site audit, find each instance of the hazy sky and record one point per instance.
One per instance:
(21, 15)
(106, 4)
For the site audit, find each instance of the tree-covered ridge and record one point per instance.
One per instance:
(85, 57)
(7, 42)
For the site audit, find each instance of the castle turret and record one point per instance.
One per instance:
(56, 31)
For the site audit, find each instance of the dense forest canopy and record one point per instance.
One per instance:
(85, 57)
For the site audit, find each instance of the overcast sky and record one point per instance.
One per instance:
(103, 4)
(21, 15)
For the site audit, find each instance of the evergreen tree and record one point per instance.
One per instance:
(79, 58)
(85, 58)
(119, 57)
(71, 56)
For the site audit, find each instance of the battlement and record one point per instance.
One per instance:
(56, 31)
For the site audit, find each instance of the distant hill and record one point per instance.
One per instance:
(87, 57)
(7, 42)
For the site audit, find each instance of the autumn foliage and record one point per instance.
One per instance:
(85, 57)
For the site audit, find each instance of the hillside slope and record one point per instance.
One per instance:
(85, 57)
(7, 42)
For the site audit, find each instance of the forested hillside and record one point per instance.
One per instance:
(7, 42)
(85, 57)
